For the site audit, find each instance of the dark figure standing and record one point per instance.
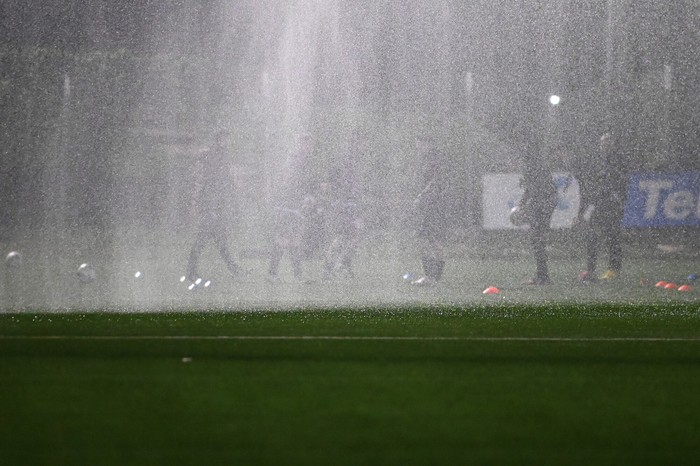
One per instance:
(432, 208)
(294, 205)
(211, 204)
(539, 201)
(608, 186)
(584, 171)
(345, 224)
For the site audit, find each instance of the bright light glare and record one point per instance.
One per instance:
(554, 99)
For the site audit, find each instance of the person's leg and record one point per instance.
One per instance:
(280, 243)
(539, 248)
(346, 262)
(346, 246)
(614, 249)
(427, 258)
(592, 243)
(297, 250)
(276, 253)
(296, 255)
(539, 230)
(350, 242)
(195, 252)
(436, 251)
(432, 259)
(431, 234)
(330, 259)
(221, 240)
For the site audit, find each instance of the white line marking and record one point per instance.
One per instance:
(343, 338)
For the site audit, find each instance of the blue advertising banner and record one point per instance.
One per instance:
(663, 200)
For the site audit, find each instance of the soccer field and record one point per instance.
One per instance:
(485, 384)
(160, 160)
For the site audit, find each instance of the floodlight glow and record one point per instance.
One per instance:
(554, 99)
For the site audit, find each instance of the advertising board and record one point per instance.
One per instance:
(663, 200)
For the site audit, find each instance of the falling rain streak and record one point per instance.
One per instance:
(110, 108)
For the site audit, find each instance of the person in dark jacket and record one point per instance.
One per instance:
(294, 205)
(608, 185)
(538, 203)
(432, 208)
(212, 204)
(344, 223)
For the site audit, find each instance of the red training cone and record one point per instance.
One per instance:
(685, 288)
(491, 290)
(661, 284)
(671, 286)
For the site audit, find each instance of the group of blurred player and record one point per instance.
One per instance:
(602, 177)
(312, 214)
(308, 214)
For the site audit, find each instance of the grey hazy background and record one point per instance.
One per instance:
(104, 104)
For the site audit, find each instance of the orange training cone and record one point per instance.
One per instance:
(671, 286)
(685, 288)
(661, 284)
(491, 290)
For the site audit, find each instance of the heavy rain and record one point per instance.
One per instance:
(273, 154)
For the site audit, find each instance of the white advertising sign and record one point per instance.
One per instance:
(502, 191)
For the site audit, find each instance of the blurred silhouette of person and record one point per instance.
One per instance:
(344, 221)
(538, 203)
(294, 205)
(211, 204)
(608, 188)
(432, 208)
(582, 170)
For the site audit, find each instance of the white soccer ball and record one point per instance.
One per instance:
(86, 274)
(13, 260)
(518, 217)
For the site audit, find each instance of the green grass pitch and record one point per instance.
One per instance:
(488, 384)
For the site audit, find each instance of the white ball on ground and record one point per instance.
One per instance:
(13, 260)
(86, 273)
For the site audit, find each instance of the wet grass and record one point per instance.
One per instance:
(490, 383)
